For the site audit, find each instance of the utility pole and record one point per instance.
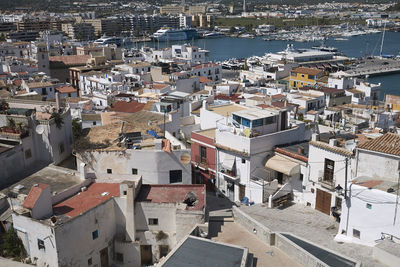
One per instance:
(397, 196)
(345, 179)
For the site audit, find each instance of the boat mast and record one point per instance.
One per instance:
(383, 38)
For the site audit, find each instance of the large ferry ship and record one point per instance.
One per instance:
(168, 34)
(109, 40)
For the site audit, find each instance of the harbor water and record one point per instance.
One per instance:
(356, 46)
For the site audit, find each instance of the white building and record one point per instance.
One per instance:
(245, 139)
(121, 224)
(46, 89)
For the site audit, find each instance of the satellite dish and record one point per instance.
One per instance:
(39, 129)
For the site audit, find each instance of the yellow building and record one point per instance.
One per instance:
(194, 10)
(172, 10)
(300, 77)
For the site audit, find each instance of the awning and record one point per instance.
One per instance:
(228, 162)
(283, 165)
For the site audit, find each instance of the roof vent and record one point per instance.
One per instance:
(35, 185)
(104, 194)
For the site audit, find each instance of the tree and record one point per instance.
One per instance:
(57, 119)
(3, 106)
(11, 123)
(2, 38)
(76, 128)
(11, 245)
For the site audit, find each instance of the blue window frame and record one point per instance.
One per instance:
(246, 122)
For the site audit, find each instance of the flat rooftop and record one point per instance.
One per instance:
(104, 137)
(58, 178)
(95, 194)
(373, 183)
(226, 110)
(199, 252)
(256, 113)
(176, 193)
(210, 133)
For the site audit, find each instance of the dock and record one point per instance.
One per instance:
(373, 67)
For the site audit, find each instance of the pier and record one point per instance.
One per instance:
(373, 67)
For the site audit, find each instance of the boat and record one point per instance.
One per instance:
(247, 35)
(170, 34)
(212, 35)
(109, 40)
(341, 39)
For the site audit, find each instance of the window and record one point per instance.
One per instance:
(40, 244)
(356, 233)
(89, 261)
(269, 120)
(28, 153)
(302, 76)
(134, 171)
(246, 122)
(95, 234)
(368, 206)
(164, 249)
(94, 123)
(153, 221)
(258, 122)
(175, 176)
(203, 154)
(328, 170)
(62, 149)
(44, 92)
(119, 257)
(243, 161)
(301, 177)
(109, 171)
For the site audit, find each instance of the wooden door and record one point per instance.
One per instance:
(104, 257)
(323, 201)
(242, 191)
(146, 255)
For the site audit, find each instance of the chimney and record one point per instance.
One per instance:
(315, 137)
(128, 190)
(205, 104)
(82, 171)
(58, 101)
(333, 142)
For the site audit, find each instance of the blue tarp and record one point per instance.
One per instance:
(152, 133)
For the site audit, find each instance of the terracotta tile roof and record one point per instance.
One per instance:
(388, 143)
(39, 84)
(159, 86)
(233, 98)
(278, 96)
(129, 107)
(71, 60)
(369, 183)
(333, 149)
(204, 80)
(34, 195)
(66, 89)
(205, 65)
(172, 194)
(309, 71)
(96, 194)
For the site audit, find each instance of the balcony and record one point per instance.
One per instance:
(202, 162)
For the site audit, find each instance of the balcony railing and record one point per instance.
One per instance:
(202, 161)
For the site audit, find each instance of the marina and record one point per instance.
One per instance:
(360, 46)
